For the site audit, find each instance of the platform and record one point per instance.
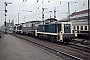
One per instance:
(13, 48)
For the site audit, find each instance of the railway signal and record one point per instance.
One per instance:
(43, 14)
(6, 3)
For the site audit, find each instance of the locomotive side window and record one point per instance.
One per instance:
(81, 27)
(85, 27)
(14, 28)
(20, 27)
(77, 27)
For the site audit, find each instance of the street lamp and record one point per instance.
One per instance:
(6, 3)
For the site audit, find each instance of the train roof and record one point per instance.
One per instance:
(16, 24)
(63, 21)
(22, 23)
(80, 12)
(51, 19)
(57, 22)
(33, 21)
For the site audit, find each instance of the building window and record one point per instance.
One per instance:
(81, 27)
(85, 27)
(77, 27)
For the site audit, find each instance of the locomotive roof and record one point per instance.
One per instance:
(56, 22)
(51, 19)
(17, 24)
(22, 23)
(32, 21)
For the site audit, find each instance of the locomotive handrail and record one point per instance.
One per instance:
(48, 33)
(75, 33)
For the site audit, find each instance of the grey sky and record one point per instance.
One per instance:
(18, 6)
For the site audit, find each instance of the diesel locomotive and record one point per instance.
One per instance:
(53, 30)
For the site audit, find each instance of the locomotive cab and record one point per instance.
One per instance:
(66, 34)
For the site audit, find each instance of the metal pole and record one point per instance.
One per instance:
(50, 13)
(69, 10)
(5, 12)
(24, 18)
(6, 15)
(43, 15)
(5, 18)
(54, 12)
(89, 18)
(18, 18)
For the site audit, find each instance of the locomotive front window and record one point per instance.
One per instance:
(67, 28)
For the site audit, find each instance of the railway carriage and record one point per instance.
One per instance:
(80, 23)
(81, 26)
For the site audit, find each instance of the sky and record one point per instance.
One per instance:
(31, 10)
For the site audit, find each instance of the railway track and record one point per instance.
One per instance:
(80, 47)
(56, 50)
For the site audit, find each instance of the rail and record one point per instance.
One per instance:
(51, 50)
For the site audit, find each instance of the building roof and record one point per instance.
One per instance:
(80, 12)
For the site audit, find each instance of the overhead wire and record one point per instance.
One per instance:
(36, 9)
(30, 6)
(36, 5)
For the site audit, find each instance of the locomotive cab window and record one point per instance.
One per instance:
(67, 28)
(14, 28)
